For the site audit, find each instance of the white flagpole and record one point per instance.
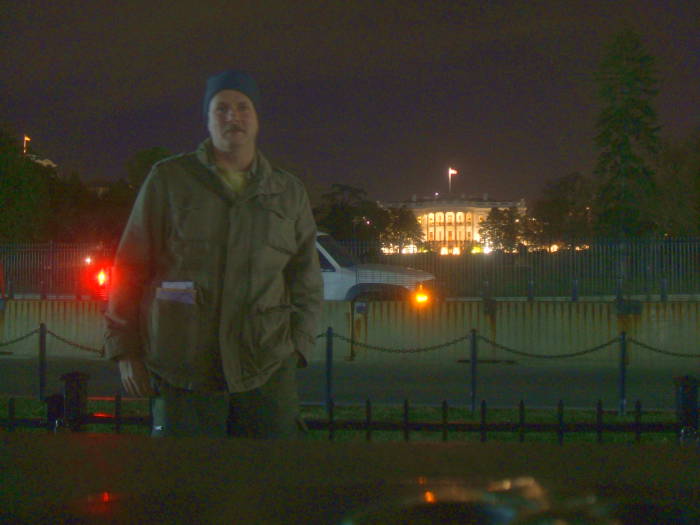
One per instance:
(450, 172)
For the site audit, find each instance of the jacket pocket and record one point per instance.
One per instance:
(281, 230)
(174, 326)
(271, 335)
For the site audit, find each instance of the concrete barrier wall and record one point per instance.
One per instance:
(542, 327)
(78, 321)
(549, 328)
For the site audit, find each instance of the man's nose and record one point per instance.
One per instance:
(231, 114)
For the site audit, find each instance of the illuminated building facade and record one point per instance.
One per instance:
(452, 223)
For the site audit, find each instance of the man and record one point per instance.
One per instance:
(217, 287)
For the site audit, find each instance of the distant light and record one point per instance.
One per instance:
(102, 278)
(429, 497)
(88, 260)
(554, 248)
(444, 251)
(476, 249)
(488, 249)
(456, 251)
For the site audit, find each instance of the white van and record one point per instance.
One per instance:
(345, 279)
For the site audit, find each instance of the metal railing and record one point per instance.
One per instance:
(48, 268)
(597, 268)
(603, 268)
(70, 410)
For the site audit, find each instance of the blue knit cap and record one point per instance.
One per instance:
(233, 79)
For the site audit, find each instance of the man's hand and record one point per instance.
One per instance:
(301, 360)
(135, 377)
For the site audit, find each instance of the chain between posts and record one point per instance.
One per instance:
(400, 350)
(549, 356)
(659, 350)
(17, 340)
(99, 351)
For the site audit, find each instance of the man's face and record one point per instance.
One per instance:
(233, 121)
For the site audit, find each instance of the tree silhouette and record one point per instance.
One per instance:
(628, 138)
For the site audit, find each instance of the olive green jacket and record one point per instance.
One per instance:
(215, 289)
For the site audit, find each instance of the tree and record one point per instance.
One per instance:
(563, 213)
(403, 228)
(347, 214)
(24, 194)
(73, 207)
(502, 229)
(678, 179)
(627, 137)
(139, 165)
(114, 209)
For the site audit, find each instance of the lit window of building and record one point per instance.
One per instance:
(455, 221)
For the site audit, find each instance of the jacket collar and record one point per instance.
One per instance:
(260, 179)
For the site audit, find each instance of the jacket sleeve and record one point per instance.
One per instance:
(303, 275)
(133, 268)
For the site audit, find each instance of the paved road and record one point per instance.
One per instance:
(539, 385)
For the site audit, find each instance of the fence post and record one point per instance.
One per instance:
(531, 290)
(473, 355)
(329, 368)
(686, 406)
(664, 289)
(486, 292)
(574, 291)
(623, 373)
(618, 291)
(42, 361)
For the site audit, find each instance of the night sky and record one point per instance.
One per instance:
(380, 95)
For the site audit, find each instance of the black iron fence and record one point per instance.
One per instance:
(48, 269)
(589, 269)
(593, 268)
(70, 409)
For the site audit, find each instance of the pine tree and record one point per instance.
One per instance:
(628, 138)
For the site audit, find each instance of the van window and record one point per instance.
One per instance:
(336, 251)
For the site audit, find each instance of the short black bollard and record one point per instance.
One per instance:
(686, 405)
(75, 399)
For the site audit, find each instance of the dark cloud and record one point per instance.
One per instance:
(381, 95)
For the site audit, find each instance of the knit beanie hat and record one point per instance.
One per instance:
(233, 79)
